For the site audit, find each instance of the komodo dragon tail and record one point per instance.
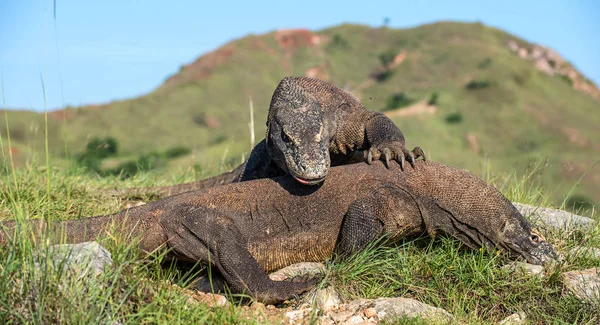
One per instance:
(130, 227)
(163, 191)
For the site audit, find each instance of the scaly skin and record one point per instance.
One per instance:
(311, 125)
(249, 228)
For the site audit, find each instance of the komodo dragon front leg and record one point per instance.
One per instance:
(207, 235)
(391, 212)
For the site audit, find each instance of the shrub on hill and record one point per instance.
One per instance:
(398, 100)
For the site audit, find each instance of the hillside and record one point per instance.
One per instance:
(494, 99)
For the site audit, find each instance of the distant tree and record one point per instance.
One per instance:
(433, 99)
(386, 21)
(102, 148)
(386, 58)
(454, 118)
(398, 100)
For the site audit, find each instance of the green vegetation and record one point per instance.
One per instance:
(386, 58)
(433, 99)
(477, 84)
(397, 100)
(454, 118)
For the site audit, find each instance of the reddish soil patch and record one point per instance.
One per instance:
(203, 66)
(418, 108)
(291, 39)
(317, 72)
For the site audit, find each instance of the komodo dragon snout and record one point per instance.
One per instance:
(299, 142)
(517, 237)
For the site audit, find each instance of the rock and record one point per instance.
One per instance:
(194, 297)
(82, 259)
(588, 252)
(389, 308)
(370, 312)
(327, 299)
(341, 316)
(356, 319)
(554, 218)
(296, 316)
(209, 299)
(305, 269)
(585, 284)
(527, 268)
(133, 204)
(514, 319)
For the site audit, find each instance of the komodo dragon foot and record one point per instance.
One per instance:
(396, 152)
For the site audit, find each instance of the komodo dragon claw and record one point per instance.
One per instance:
(399, 154)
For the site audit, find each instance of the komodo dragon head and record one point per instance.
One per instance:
(297, 137)
(466, 207)
(516, 236)
(495, 226)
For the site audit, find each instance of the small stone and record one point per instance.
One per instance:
(526, 268)
(258, 306)
(370, 312)
(356, 319)
(133, 204)
(294, 316)
(211, 300)
(327, 299)
(514, 319)
(340, 317)
(309, 269)
(584, 284)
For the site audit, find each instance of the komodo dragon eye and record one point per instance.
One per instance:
(534, 238)
(285, 138)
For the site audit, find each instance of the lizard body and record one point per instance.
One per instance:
(245, 229)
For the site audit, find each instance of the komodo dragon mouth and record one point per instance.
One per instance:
(306, 181)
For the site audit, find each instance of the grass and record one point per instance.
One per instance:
(469, 284)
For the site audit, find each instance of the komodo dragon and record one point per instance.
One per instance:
(247, 229)
(311, 125)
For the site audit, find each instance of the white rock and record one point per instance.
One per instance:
(584, 284)
(531, 269)
(327, 299)
(356, 319)
(514, 319)
(83, 259)
(389, 308)
(554, 218)
(295, 316)
(310, 269)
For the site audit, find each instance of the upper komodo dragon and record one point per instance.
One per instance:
(247, 228)
(311, 125)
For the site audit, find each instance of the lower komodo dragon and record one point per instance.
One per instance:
(311, 125)
(249, 228)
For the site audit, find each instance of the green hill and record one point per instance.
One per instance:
(494, 99)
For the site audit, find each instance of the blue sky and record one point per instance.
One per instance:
(98, 51)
